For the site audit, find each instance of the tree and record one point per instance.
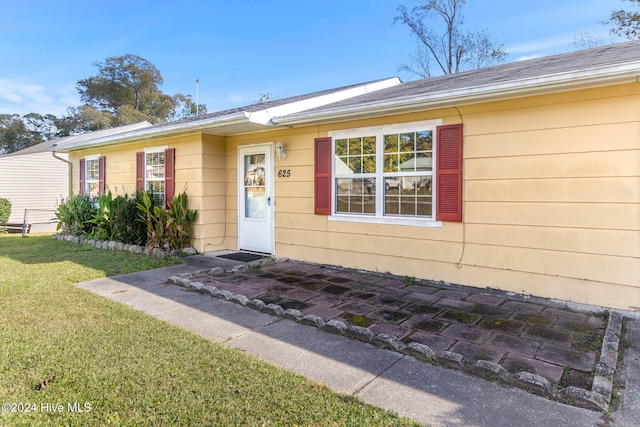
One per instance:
(125, 91)
(83, 119)
(587, 41)
(184, 107)
(626, 24)
(45, 126)
(265, 97)
(452, 49)
(127, 88)
(14, 135)
(121, 80)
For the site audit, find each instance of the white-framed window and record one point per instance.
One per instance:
(385, 173)
(92, 175)
(154, 175)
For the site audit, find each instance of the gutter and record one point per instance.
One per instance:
(594, 77)
(159, 131)
(260, 118)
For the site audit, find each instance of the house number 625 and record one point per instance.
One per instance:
(284, 173)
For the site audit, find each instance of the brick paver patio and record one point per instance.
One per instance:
(558, 344)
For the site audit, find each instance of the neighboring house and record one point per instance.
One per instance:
(523, 177)
(37, 180)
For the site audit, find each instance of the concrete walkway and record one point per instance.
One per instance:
(429, 394)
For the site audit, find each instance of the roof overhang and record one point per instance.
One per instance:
(232, 123)
(518, 88)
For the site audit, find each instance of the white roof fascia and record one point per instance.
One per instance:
(261, 117)
(582, 79)
(153, 131)
(264, 116)
(105, 133)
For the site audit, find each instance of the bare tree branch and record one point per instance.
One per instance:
(627, 24)
(437, 25)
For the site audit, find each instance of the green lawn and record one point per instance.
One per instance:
(122, 367)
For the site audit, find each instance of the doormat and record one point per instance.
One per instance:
(241, 256)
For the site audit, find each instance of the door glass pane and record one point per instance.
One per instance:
(255, 204)
(255, 200)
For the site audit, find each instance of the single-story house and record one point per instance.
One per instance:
(523, 177)
(36, 180)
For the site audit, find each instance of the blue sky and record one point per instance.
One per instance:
(239, 49)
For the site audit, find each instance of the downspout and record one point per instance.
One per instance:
(459, 263)
(70, 186)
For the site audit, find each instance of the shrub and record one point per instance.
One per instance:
(119, 219)
(171, 227)
(135, 219)
(75, 215)
(180, 222)
(155, 219)
(104, 216)
(128, 226)
(5, 210)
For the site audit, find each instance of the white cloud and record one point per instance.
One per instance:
(559, 43)
(17, 92)
(20, 97)
(541, 46)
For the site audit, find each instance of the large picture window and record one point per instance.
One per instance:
(385, 171)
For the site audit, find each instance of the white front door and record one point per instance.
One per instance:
(255, 198)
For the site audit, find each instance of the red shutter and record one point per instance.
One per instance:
(102, 166)
(322, 173)
(140, 171)
(169, 175)
(83, 179)
(449, 173)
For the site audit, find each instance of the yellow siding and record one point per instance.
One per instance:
(557, 140)
(562, 239)
(605, 189)
(213, 230)
(121, 174)
(551, 202)
(551, 198)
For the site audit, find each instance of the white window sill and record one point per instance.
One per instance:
(387, 220)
